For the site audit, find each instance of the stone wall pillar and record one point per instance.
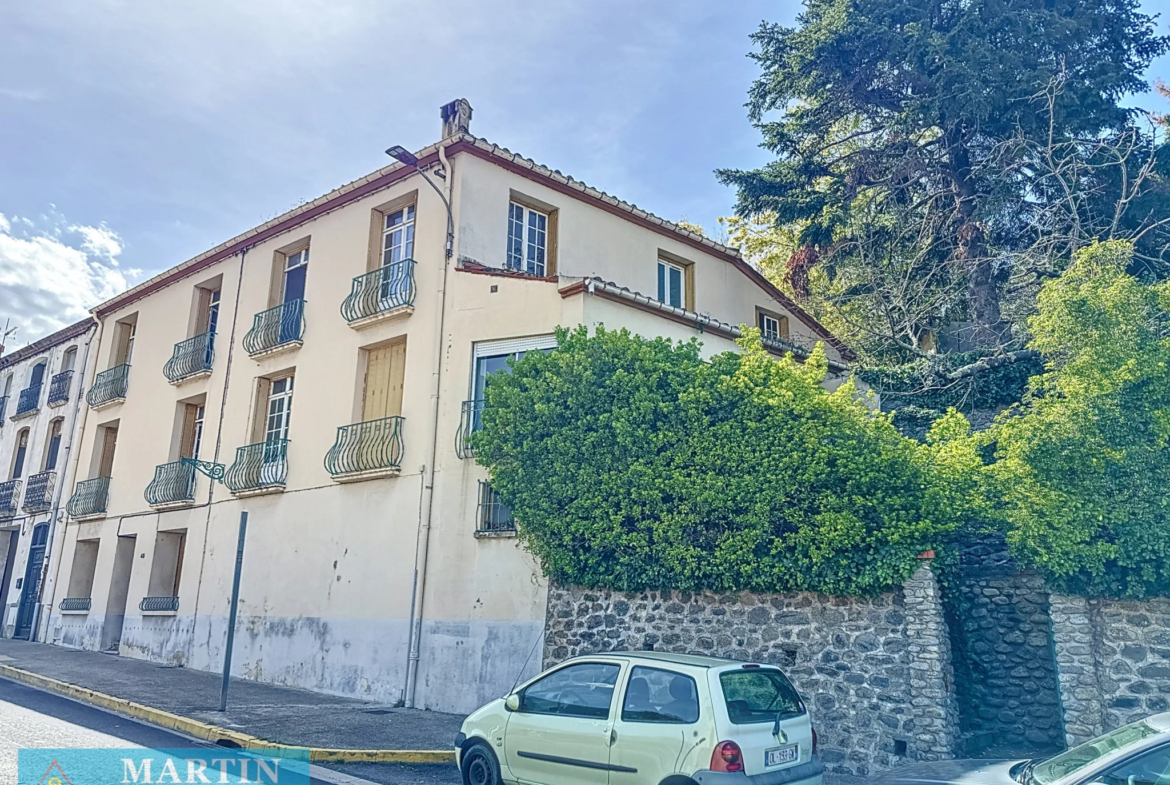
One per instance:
(932, 678)
(1076, 664)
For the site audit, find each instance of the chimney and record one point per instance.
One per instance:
(456, 118)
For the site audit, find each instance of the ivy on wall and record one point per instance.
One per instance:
(630, 463)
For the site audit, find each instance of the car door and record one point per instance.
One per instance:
(560, 733)
(657, 724)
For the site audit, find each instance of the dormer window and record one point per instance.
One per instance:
(772, 326)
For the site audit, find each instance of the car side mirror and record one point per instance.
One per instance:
(512, 702)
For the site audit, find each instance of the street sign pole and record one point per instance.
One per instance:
(231, 631)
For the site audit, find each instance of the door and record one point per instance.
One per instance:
(385, 370)
(296, 268)
(6, 575)
(657, 722)
(18, 459)
(119, 589)
(560, 734)
(280, 397)
(397, 247)
(32, 582)
(54, 445)
(38, 376)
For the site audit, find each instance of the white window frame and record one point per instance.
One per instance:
(398, 236)
(665, 268)
(197, 440)
(765, 330)
(528, 253)
(284, 397)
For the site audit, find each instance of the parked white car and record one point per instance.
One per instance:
(644, 718)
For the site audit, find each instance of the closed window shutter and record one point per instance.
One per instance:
(203, 311)
(260, 418)
(109, 443)
(187, 437)
(385, 371)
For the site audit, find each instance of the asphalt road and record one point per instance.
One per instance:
(32, 718)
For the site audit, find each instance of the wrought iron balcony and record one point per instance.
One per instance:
(29, 400)
(492, 515)
(75, 604)
(109, 386)
(192, 357)
(159, 605)
(9, 494)
(59, 388)
(470, 422)
(38, 494)
(366, 449)
(173, 483)
(277, 327)
(386, 290)
(89, 498)
(258, 467)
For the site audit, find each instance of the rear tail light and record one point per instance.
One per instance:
(814, 749)
(727, 757)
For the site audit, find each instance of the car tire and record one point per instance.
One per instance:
(480, 766)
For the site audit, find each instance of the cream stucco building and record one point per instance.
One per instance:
(40, 413)
(331, 359)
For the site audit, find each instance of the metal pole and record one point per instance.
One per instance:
(231, 631)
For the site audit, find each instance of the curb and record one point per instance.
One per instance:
(213, 733)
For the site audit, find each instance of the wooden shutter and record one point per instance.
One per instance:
(203, 311)
(385, 370)
(187, 435)
(260, 415)
(109, 443)
(181, 551)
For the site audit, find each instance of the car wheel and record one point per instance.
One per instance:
(480, 766)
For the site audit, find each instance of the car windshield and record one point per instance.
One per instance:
(758, 695)
(1079, 757)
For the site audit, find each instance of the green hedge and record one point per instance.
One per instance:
(631, 463)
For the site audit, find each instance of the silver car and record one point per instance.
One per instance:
(1136, 754)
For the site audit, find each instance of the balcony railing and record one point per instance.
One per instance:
(109, 386)
(386, 289)
(59, 388)
(9, 494)
(492, 516)
(75, 604)
(38, 494)
(159, 604)
(173, 483)
(89, 498)
(284, 324)
(470, 422)
(191, 358)
(258, 466)
(29, 400)
(366, 447)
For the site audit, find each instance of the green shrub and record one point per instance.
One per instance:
(630, 463)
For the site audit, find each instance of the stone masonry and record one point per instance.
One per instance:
(1005, 671)
(1113, 658)
(875, 672)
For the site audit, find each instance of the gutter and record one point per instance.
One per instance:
(704, 323)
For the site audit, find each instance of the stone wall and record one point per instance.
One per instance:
(875, 672)
(1113, 660)
(1005, 671)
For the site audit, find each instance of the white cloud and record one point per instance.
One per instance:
(47, 283)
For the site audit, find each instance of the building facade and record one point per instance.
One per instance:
(40, 414)
(331, 363)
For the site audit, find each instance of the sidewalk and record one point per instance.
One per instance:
(284, 715)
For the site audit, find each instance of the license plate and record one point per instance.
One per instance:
(780, 755)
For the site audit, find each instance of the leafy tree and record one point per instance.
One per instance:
(1083, 463)
(941, 158)
(630, 463)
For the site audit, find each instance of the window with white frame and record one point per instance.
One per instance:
(398, 236)
(279, 409)
(671, 283)
(527, 240)
(772, 326)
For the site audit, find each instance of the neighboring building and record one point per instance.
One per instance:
(40, 392)
(334, 360)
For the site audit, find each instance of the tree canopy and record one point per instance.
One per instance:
(936, 160)
(630, 463)
(1084, 463)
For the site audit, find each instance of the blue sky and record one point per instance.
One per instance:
(136, 134)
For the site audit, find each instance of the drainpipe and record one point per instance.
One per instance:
(422, 548)
(78, 427)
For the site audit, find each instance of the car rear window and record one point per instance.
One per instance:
(759, 695)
